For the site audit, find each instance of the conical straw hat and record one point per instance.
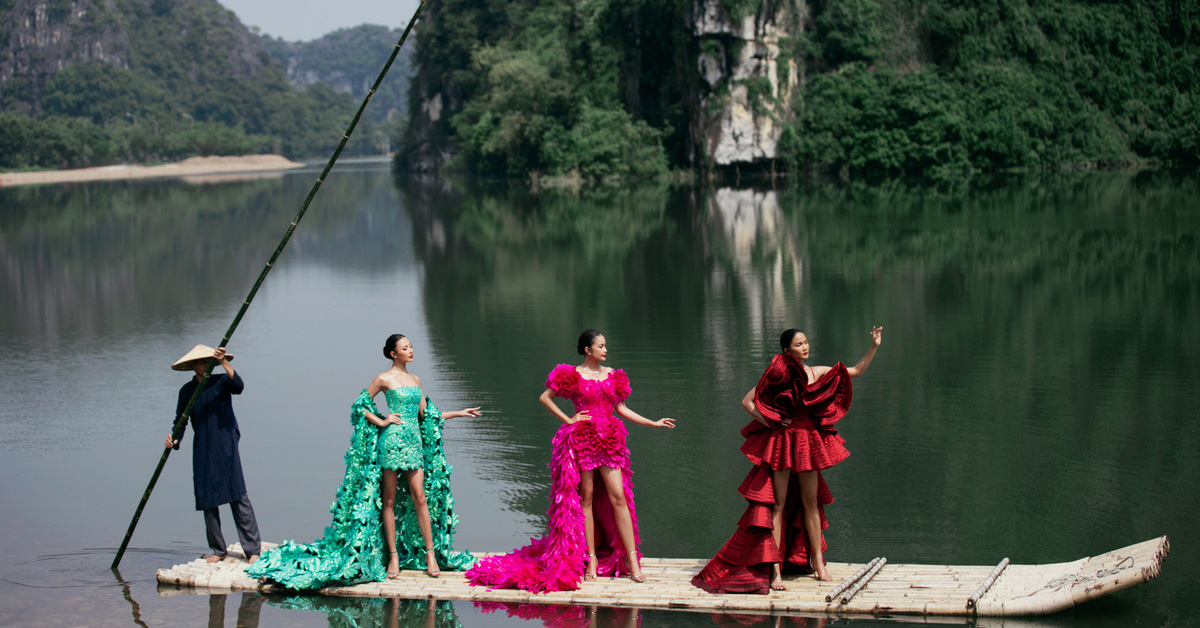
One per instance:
(198, 352)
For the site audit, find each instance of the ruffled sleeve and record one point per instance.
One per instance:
(781, 392)
(563, 380)
(780, 389)
(828, 399)
(620, 386)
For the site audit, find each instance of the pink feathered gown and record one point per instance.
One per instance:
(556, 560)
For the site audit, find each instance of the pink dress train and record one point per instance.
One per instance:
(556, 560)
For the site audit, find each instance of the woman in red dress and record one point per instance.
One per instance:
(790, 441)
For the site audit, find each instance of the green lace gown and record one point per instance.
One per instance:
(352, 549)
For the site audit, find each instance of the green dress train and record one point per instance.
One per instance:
(352, 549)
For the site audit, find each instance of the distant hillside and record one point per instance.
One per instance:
(88, 82)
(189, 48)
(348, 60)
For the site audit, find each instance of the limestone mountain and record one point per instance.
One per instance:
(179, 52)
(349, 60)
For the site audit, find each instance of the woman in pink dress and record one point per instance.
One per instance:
(586, 537)
(790, 440)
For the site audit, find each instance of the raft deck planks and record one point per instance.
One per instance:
(895, 589)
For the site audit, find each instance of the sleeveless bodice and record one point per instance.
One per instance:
(400, 445)
(405, 401)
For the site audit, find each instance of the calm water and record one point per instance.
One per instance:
(1034, 397)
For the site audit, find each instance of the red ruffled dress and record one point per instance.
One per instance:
(809, 443)
(556, 561)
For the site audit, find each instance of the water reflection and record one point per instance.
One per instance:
(568, 616)
(376, 612)
(247, 614)
(1034, 397)
(127, 593)
(85, 261)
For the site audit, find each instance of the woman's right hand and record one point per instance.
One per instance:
(393, 419)
(582, 415)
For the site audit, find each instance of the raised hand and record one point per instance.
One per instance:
(877, 335)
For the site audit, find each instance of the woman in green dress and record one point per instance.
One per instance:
(415, 531)
(401, 450)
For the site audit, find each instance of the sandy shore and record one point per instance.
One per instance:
(188, 167)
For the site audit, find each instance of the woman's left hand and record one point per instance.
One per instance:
(668, 423)
(470, 412)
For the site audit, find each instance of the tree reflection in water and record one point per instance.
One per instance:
(367, 612)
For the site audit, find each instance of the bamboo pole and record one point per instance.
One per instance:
(851, 580)
(987, 584)
(182, 419)
(863, 581)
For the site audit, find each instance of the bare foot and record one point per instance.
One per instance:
(213, 558)
(777, 579)
(253, 559)
(819, 572)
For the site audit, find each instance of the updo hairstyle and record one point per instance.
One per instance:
(785, 339)
(586, 339)
(390, 344)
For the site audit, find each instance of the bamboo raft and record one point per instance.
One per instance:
(877, 588)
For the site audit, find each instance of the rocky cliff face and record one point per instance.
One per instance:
(39, 38)
(737, 59)
(750, 77)
(196, 41)
(349, 60)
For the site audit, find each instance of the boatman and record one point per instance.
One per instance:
(216, 465)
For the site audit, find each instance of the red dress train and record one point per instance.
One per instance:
(809, 443)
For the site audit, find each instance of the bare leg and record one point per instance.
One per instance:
(388, 517)
(779, 479)
(614, 484)
(586, 491)
(416, 489)
(809, 481)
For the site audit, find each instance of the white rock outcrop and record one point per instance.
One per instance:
(750, 82)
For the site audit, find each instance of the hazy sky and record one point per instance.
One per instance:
(305, 20)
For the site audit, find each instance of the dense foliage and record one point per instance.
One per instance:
(910, 86)
(198, 83)
(557, 88)
(892, 86)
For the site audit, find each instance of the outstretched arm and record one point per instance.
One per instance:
(861, 367)
(464, 412)
(624, 412)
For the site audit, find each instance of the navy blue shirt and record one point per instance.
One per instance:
(216, 465)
